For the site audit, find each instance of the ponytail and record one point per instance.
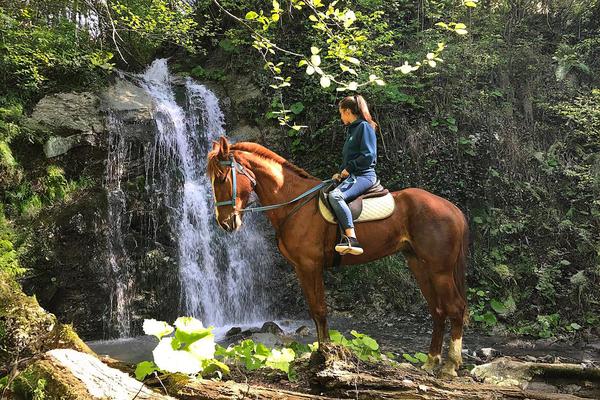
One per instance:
(358, 106)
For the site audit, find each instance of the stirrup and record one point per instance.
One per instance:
(348, 245)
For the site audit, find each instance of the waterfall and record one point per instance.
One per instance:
(222, 275)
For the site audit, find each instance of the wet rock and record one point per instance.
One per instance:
(65, 114)
(487, 353)
(236, 330)
(540, 386)
(134, 108)
(303, 331)
(268, 339)
(58, 145)
(271, 327)
(572, 388)
(131, 102)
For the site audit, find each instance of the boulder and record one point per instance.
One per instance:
(132, 102)
(65, 114)
(271, 327)
(58, 145)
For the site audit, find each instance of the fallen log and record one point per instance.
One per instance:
(506, 370)
(70, 374)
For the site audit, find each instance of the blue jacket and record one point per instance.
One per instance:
(360, 149)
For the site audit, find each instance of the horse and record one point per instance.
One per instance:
(431, 232)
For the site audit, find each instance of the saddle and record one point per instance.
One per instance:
(376, 203)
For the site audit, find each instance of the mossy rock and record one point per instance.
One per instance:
(26, 328)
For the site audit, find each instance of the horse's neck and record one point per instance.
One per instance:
(276, 184)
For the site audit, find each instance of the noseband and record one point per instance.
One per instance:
(235, 166)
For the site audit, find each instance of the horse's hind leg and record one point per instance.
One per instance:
(421, 274)
(454, 307)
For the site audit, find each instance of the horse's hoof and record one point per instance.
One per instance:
(448, 371)
(431, 363)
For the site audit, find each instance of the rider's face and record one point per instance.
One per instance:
(346, 116)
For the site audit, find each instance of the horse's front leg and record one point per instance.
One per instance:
(311, 280)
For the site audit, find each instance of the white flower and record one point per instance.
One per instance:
(188, 324)
(156, 328)
(170, 360)
(203, 349)
(405, 69)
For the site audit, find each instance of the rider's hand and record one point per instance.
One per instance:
(336, 177)
(344, 174)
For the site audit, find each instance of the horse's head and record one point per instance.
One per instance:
(232, 185)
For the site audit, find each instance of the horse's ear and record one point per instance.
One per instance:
(223, 148)
(215, 146)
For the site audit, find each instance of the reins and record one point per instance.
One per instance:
(237, 167)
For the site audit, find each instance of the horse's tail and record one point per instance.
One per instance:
(460, 267)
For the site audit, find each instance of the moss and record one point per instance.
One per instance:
(28, 328)
(45, 380)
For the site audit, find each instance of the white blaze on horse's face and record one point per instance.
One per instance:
(227, 216)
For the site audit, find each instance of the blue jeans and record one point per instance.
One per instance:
(352, 187)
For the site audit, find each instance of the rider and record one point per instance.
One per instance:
(358, 167)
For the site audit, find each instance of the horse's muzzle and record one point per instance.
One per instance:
(233, 223)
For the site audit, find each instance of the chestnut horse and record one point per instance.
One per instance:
(431, 232)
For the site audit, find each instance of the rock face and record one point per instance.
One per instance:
(66, 113)
(26, 329)
(71, 273)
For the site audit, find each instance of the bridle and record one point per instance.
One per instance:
(236, 168)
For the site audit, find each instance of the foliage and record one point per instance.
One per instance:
(9, 244)
(365, 347)
(192, 350)
(417, 358)
(160, 21)
(37, 56)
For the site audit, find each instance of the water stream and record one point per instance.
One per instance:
(221, 275)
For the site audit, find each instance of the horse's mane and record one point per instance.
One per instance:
(258, 150)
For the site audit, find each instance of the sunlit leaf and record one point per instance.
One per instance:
(251, 15)
(156, 328)
(144, 369)
(325, 81)
(315, 59)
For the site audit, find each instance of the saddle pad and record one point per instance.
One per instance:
(373, 209)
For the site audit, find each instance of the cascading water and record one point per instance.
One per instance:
(118, 259)
(221, 275)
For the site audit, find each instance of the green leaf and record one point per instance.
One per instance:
(144, 369)
(490, 319)
(251, 15)
(314, 50)
(498, 306)
(337, 337)
(310, 70)
(421, 357)
(353, 60)
(410, 358)
(470, 4)
(213, 365)
(297, 107)
(313, 18)
(281, 359)
(352, 86)
(189, 330)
